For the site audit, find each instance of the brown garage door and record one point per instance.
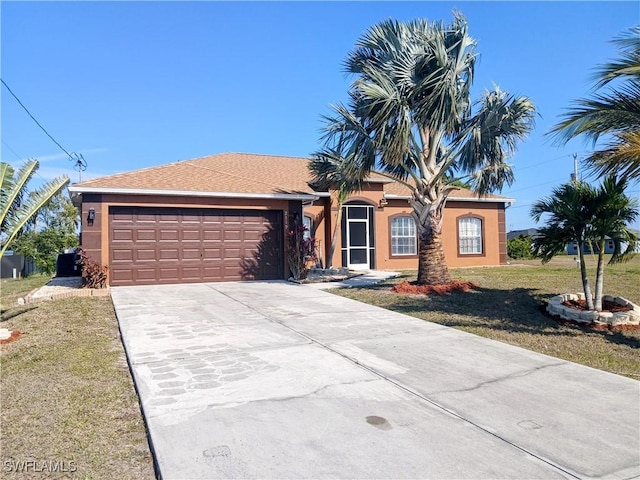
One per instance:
(178, 245)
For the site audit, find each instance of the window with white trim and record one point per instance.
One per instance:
(470, 236)
(403, 236)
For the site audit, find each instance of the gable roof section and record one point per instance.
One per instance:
(226, 174)
(236, 175)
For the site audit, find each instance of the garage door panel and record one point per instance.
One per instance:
(168, 235)
(169, 254)
(190, 234)
(191, 253)
(173, 245)
(191, 273)
(212, 235)
(119, 255)
(146, 235)
(119, 235)
(211, 253)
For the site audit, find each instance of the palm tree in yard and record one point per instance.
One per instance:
(410, 117)
(570, 211)
(613, 212)
(614, 112)
(328, 170)
(580, 213)
(17, 208)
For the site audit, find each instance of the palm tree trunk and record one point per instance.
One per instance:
(432, 266)
(599, 276)
(585, 279)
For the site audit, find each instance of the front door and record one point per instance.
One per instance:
(357, 235)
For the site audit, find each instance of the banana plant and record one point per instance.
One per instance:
(17, 208)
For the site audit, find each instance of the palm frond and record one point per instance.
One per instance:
(628, 65)
(491, 137)
(15, 214)
(617, 110)
(621, 157)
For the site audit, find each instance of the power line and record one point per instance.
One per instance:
(80, 163)
(34, 119)
(519, 169)
(12, 150)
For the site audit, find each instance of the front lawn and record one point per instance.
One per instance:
(68, 400)
(507, 308)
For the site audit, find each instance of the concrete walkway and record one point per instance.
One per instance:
(275, 380)
(368, 278)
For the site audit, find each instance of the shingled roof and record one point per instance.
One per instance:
(235, 174)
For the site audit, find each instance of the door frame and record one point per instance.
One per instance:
(369, 232)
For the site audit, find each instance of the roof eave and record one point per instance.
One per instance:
(391, 196)
(189, 193)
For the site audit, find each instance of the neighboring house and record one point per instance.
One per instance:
(529, 232)
(609, 247)
(225, 217)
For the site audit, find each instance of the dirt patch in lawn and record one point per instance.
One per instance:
(415, 288)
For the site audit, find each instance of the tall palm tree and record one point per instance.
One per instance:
(613, 113)
(570, 211)
(410, 117)
(329, 171)
(613, 211)
(16, 208)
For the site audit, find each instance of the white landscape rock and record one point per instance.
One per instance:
(4, 333)
(632, 317)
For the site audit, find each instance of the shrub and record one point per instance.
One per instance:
(301, 251)
(94, 274)
(520, 248)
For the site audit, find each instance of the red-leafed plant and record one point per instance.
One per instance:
(301, 251)
(94, 274)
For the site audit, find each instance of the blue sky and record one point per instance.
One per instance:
(137, 84)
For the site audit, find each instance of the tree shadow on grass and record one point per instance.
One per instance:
(519, 310)
(9, 313)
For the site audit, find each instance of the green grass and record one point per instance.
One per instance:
(507, 308)
(67, 394)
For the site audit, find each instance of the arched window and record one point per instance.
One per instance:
(470, 232)
(403, 236)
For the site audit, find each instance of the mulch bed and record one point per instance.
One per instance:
(606, 306)
(14, 336)
(414, 288)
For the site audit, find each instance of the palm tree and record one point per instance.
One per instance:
(615, 113)
(583, 214)
(570, 209)
(613, 212)
(410, 117)
(16, 208)
(329, 171)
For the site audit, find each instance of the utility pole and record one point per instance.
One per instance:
(574, 175)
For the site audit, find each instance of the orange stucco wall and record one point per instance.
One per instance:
(95, 238)
(323, 213)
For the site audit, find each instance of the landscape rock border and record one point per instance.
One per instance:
(78, 292)
(629, 320)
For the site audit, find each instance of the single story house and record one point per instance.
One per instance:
(225, 217)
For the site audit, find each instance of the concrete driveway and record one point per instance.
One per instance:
(275, 380)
